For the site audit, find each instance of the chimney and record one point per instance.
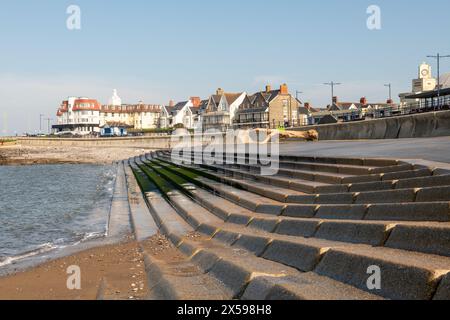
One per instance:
(363, 101)
(195, 101)
(284, 89)
(268, 88)
(335, 99)
(171, 103)
(219, 92)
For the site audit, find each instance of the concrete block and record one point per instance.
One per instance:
(379, 162)
(361, 179)
(300, 211)
(424, 182)
(227, 237)
(404, 276)
(264, 224)
(354, 170)
(304, 199)
(397, 168)
(371, 186)
(374, 234)
(335, 188)
(271, 209)
(301, 255)
(443, 291)
(407, 174)
(433, 194)
(207, 229)
(302, 187)
(241, 219)
(335, 198)
(441, 172)
(222, 213)
(205, 260)
(433, 239)
(391, 196)
(255, 244)
(436, 211)
(296, 227)
(305, 286)
(346, 212)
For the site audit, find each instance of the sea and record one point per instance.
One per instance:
(44, 208)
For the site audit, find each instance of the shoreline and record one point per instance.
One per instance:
(21, 155)
(97, 260)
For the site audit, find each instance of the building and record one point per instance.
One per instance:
(114, 130)
(220, 110)
(183, 114)
(424, 82)
(268, 109)
(432, 100)
(78, 115)
(305, 114)
(136, 116)
(87, 116)
(354, 111)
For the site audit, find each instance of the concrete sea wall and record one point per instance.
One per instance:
(132, 142)
(425, 125)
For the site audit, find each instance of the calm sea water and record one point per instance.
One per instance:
(43, 208)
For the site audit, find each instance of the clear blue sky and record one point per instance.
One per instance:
(156, 51)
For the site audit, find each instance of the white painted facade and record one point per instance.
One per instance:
(180, 114)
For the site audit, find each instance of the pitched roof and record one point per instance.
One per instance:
(232, 97)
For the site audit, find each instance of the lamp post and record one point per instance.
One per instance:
(332, 84)
(390, 90)
(40, 122)
(48, 124)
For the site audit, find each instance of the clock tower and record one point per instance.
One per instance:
(425, 81)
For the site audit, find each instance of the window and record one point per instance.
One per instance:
(285, 110)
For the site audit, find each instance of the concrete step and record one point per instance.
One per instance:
(339, 206)
(119, 224)
(253, 278)
(308, 247)
(361, 193)
(404, 275)
(143, 224)
(172, 276)
(240, 273)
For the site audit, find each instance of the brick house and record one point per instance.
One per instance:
(268, 109)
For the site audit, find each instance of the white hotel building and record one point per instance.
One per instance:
(86, 116)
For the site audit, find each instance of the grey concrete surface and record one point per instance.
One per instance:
(431, 149)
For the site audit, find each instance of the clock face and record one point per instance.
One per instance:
(424, 72)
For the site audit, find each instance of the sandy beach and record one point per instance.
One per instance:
(115, 271)
(16, 154)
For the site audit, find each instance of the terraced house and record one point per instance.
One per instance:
(184, 114)
(221, 110)
(350, 111)
(268, 109)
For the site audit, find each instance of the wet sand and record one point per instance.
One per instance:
(15, 154)
(118, 270)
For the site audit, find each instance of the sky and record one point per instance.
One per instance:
(154, 51)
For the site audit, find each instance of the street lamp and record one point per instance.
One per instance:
(297, 93)
(40, 122)
(438, 58)
(332, 84)
(48, 124)
(390, 90)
